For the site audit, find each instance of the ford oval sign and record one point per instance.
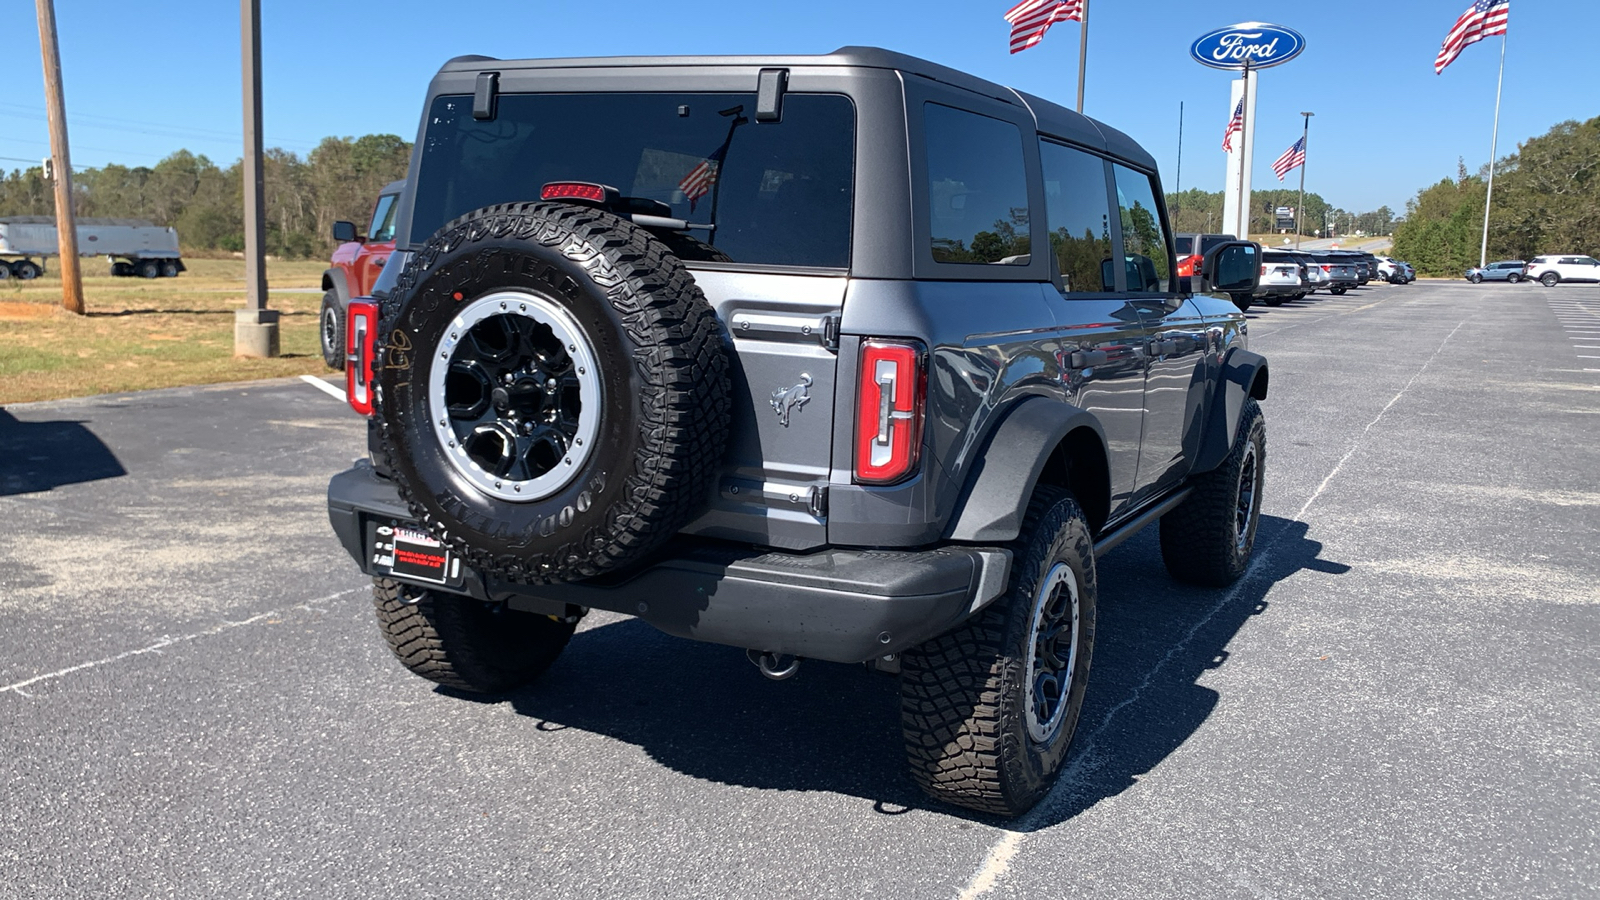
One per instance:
(1249, 45)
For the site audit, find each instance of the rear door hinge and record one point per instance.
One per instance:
(830, 332)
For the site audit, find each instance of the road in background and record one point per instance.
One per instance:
(1397, 701)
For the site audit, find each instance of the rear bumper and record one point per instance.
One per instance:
(842, 605)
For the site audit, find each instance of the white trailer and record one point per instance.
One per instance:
(133, 246)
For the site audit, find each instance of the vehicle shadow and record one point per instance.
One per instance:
(38, 456)
(704, 711)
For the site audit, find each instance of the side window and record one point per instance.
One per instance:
(383, 219)
(1078, 216)
(977, 188)
(1144, 241)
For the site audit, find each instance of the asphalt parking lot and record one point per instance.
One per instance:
(1401, 698)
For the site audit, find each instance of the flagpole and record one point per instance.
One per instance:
(1083, 52)
(1483, 251)
(1305, 154)
(1177, 188)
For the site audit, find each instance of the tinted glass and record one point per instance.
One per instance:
(1211, 240)
(778, 193)
(383, 219)
(1078, 214)
(1184, 242)
(1144, 241)
(977, 188)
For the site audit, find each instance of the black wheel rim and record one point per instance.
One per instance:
(1244, 509)
(1052, 653)
(330, 332)
(514, 395)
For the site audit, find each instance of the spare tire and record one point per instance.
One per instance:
(552, 391)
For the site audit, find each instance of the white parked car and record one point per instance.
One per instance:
(1552, 270)
(1280, 278)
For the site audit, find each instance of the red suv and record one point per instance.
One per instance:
(356, 264)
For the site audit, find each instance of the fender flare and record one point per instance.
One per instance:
(334, 279)
(1001, 482)
(1243, 375)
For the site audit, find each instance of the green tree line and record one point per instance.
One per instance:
(1200, 212)
(1546, 200)
(339, 179)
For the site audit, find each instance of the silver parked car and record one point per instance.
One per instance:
(1508, 270)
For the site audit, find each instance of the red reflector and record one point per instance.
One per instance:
(573, 190)
(360, 342)
(889, 411)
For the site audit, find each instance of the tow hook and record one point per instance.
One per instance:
(776, 666)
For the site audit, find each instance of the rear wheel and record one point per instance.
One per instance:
(1337, 291)
(149, 269)
(26, 269)
(1208, 539)
(1549, 279)
(169, 269)
(331, 330)
(464, 643)
(988, 710)
(1513, 278)
(5, 270)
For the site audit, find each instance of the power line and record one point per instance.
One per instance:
(159, 130)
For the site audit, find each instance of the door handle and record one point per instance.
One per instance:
(1088, 359)
(378, 261)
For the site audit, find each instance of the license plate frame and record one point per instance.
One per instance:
(405, 551)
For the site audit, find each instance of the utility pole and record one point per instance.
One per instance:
(56, 106)
(1305, 154)
(255, 328)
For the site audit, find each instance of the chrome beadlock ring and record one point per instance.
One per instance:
(514, 395)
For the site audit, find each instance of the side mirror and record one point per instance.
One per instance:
(344, 232)
(1231, 268)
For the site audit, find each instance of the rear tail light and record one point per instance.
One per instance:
(360, 342)
(889, 411)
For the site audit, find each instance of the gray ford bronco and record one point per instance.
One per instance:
(850, 357)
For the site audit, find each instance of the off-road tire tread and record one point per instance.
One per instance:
(435, 638)
(955, 725)
(1197, 538)
(333, 356)
(682, 360)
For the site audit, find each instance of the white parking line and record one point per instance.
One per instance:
(324, 387)
(168, 641)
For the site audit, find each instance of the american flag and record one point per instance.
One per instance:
(1030, 19)
(1485, 18)
(1235, 126)
(1294, 156)
(701, 178)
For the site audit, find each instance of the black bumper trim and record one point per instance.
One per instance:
(840, 605)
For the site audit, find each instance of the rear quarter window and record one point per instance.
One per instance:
(977, 188)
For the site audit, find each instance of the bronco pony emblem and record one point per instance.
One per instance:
(791, 398)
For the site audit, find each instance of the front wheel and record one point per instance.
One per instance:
(332, 330)
(1475, 278)
(1338, 291)
(1208, 539)
(464, 643)
(1549, 279)
(988, 710)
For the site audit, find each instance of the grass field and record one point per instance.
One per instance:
(142, 334)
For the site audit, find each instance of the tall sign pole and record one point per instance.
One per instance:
(1305, 152)
(255, 328)
(61, 159)
(1242, 227)
(1483, 251)
(1083, 52)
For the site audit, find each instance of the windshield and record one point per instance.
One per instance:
(778, 193)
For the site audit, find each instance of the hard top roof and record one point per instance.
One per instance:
(1051, 118)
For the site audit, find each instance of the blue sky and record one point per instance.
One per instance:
(140, 87)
